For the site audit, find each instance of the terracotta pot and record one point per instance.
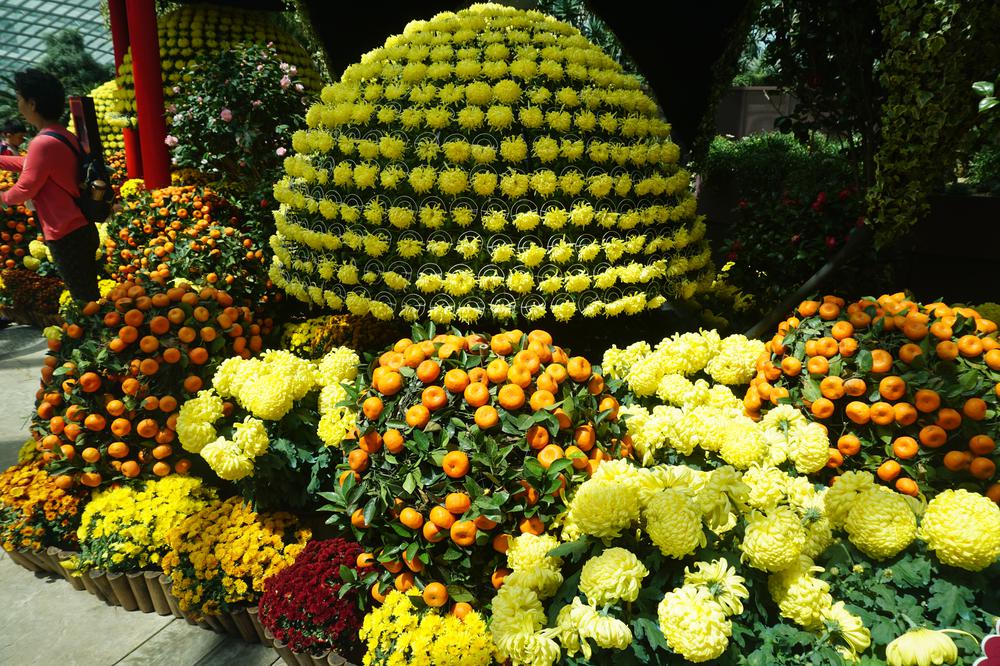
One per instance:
(137, 583)
(228, 626)
(286, 654)
(213, 623)
(122, 591)
(157, 595)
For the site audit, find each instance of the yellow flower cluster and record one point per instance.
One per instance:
(487, 163)
(881, 523)
(963, 529)
(729, 361)
(397, 634)
(125, 528)
(221, 555)
(104, 103)
(196, 31)
(315, 337)
(267, 386)
(34, 513)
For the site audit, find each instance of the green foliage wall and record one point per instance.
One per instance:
(934, 51)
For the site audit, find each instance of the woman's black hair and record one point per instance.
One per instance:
(45, 89)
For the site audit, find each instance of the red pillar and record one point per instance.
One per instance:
(148, 92)
(120, 42)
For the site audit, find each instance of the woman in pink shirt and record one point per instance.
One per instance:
(49, 174)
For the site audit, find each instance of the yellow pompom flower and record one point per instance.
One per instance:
(881, 523)
(801, 597)
(773, 540)
(614, 575)
(963, 529)
(673, 523)
(694, 625)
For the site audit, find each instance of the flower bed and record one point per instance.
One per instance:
(302, 605)
(907, 391)
(463, 441)
(278, 439)
(188, 232)
(487, 164)
(35, 512)
(220, 556)
(111, 387)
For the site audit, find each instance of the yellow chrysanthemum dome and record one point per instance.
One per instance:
(963, 529)
(487, 163)
(881, 523)
(195, 31)
(104, 102)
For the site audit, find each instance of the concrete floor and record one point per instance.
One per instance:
(44, 621)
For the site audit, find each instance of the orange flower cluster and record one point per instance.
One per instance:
(34, 512)
(909, 391)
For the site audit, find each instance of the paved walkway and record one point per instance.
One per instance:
(43, 621)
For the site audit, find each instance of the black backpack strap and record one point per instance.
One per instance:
(66, 142)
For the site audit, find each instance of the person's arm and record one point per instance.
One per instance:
(11, 162)
(37, 167)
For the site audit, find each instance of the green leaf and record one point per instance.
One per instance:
(983, 87)
(810, 389)
(950, 601)
(370, 508)
(864, 361)
(347, 574)
(573, 550)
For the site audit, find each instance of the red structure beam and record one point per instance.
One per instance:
(120, 42)
(141, 15)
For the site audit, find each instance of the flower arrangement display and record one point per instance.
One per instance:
(405, 631)
(35, 512)
(191, 32)
(125, 528)
(220, 557)
(487, 164)
(315, 337)
(104, 103)
(112, 384)
(907, 391)
(683, 410)
(302, 605)
(278, 435)
(185, 231)
(718, 566)
(463, 441)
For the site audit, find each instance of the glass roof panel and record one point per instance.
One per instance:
(24, 24)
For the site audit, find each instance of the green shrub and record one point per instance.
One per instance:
(773, 162)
